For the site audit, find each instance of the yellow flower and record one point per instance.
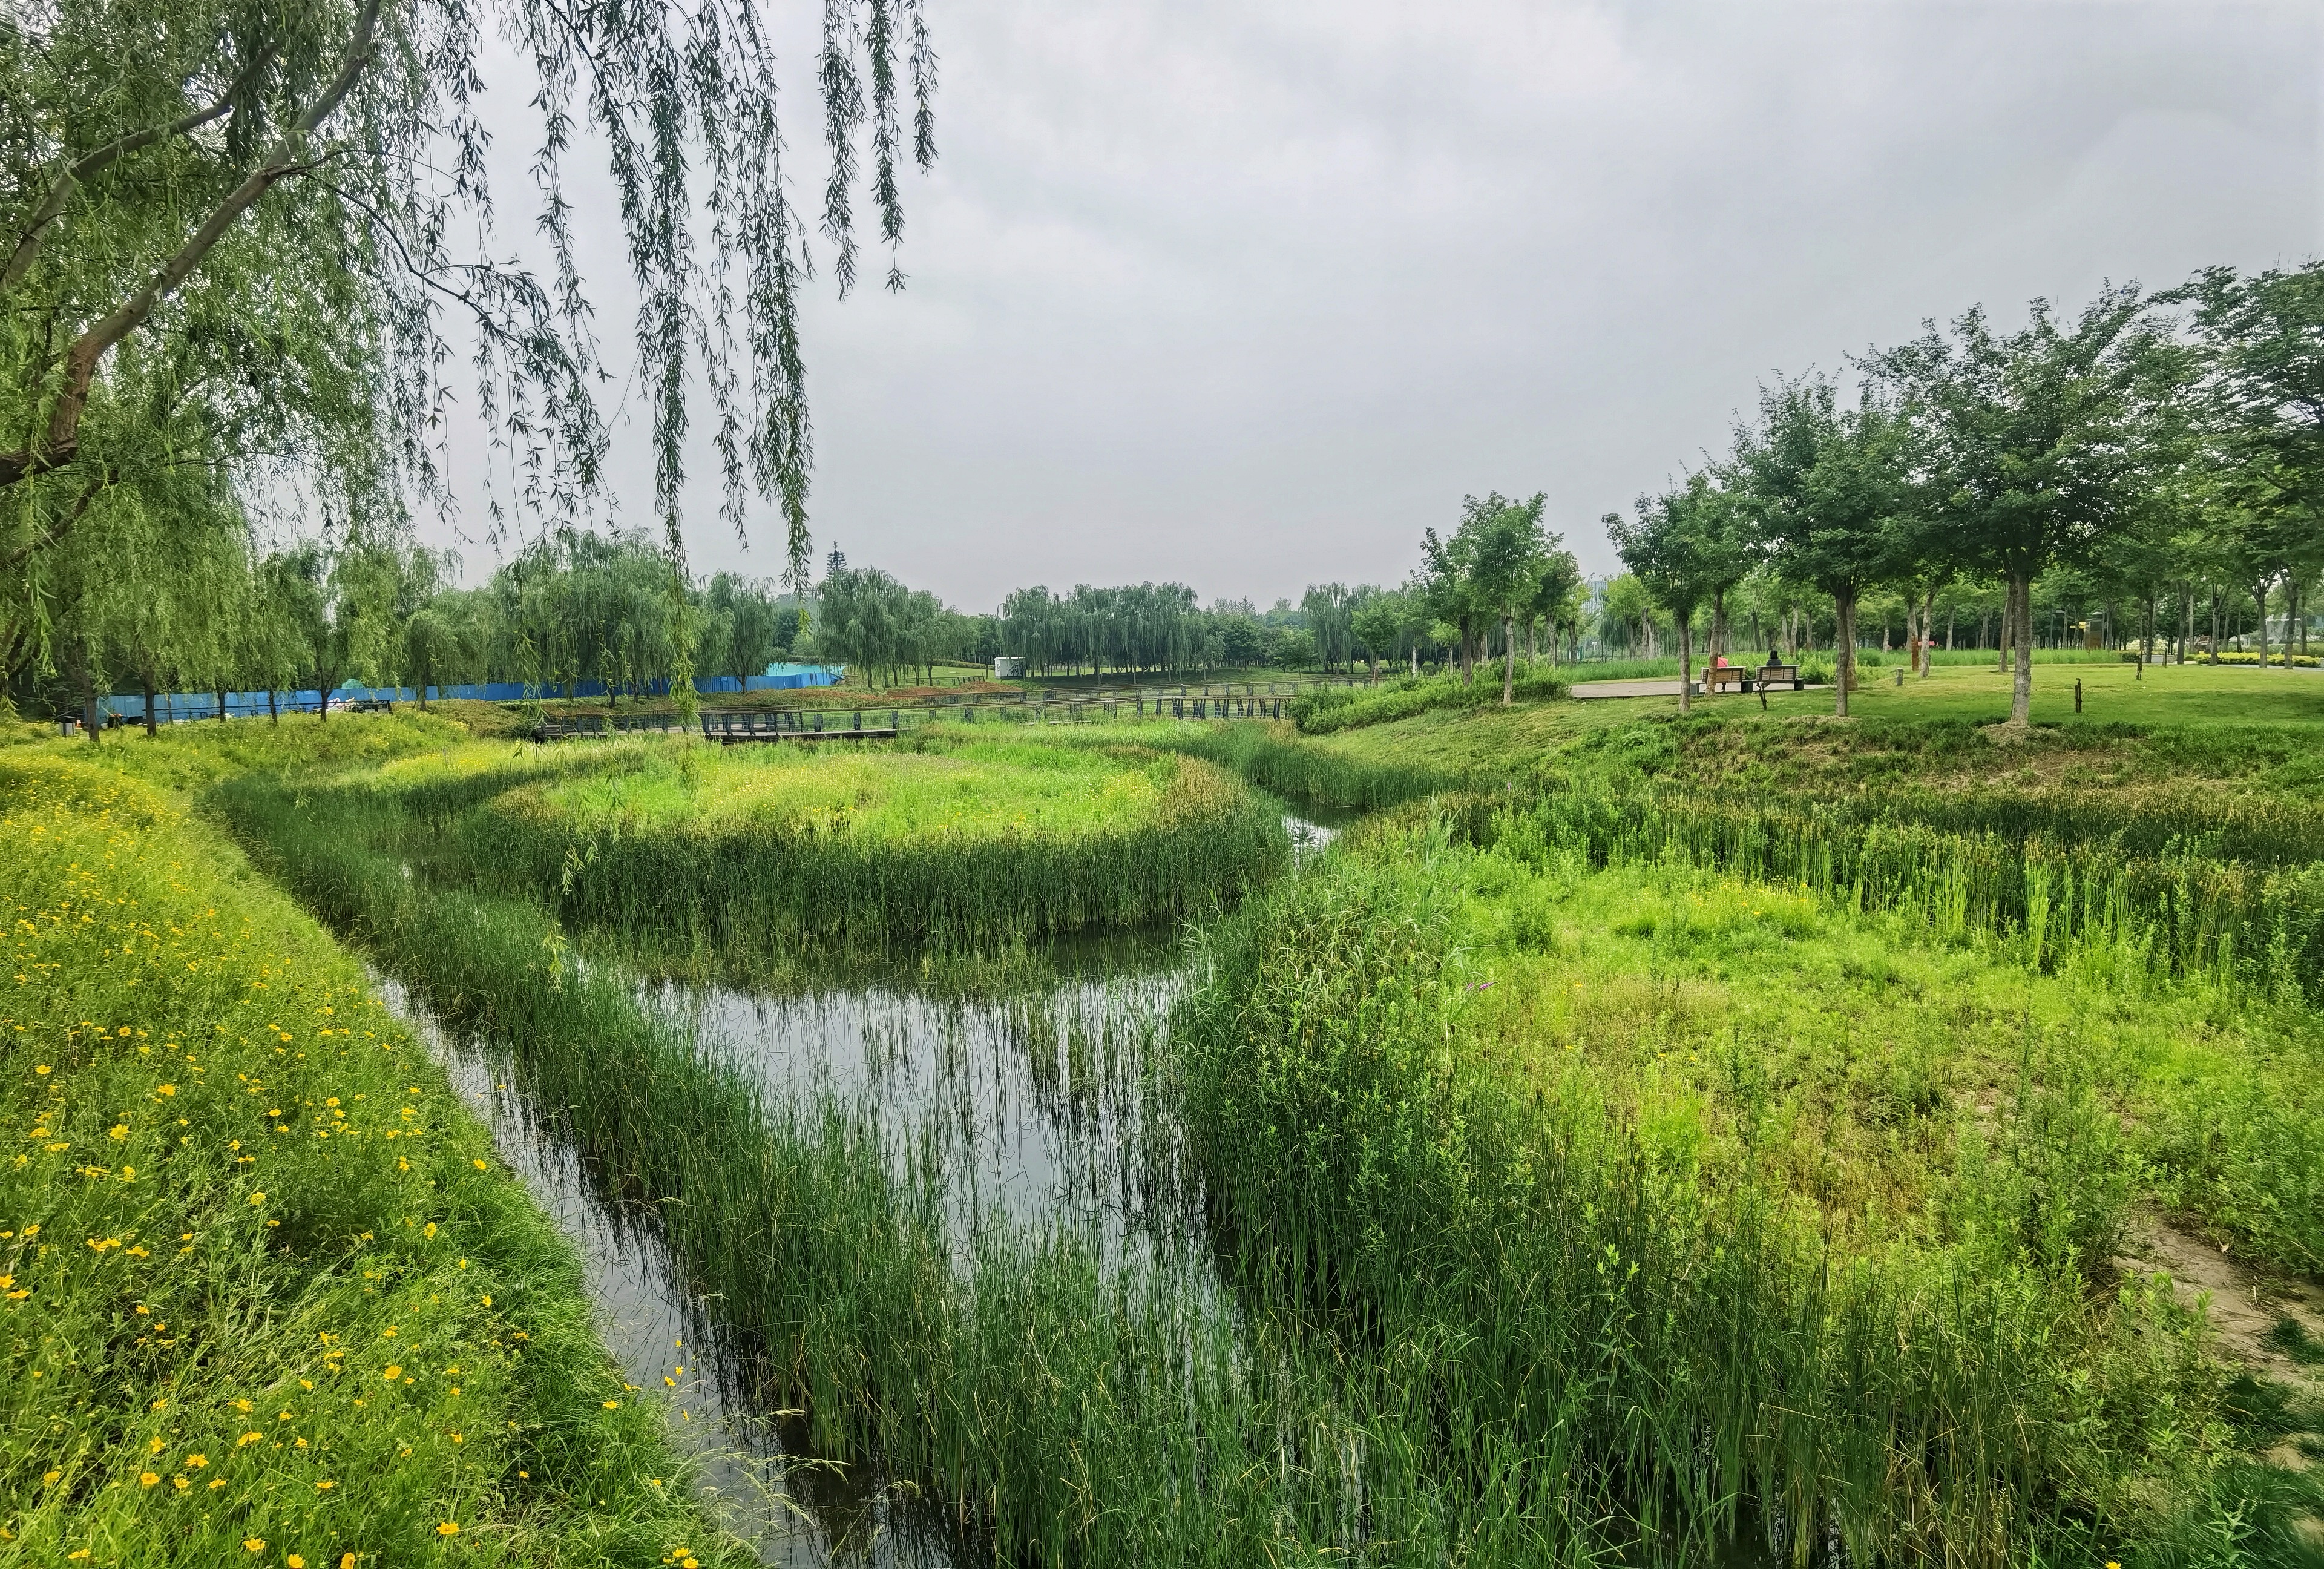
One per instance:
(448, 1528)
(613, 1405)
(146, 1479)
(296, 1562)
(256, 1543)
(196, 1460)
(49, 1477)
(394, 1371)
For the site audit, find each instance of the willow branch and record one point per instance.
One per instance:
(81, 360)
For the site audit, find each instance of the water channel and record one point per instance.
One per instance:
(1041, 1107)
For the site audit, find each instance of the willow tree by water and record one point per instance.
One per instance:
(230, 242)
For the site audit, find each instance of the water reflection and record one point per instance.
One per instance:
(1038, 1110)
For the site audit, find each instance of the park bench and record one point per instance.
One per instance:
(1726, 677)
(1767, 677)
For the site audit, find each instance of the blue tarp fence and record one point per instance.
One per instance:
(171, 708)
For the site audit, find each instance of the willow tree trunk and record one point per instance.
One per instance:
(1509, 658)
(145, 682)
(77, 662)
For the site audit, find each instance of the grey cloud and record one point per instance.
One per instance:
(1250, 295)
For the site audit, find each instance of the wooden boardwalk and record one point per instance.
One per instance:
(1237, 701)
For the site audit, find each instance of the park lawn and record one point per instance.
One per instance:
(271, 1298)
(2258, 728)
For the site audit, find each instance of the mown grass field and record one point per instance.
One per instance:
(270, 1298)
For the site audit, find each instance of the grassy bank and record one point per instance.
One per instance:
(1729, 1212)
(270, 1297)
(1326, 709)
(946, 837)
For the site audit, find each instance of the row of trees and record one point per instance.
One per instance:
(586, 607)
(2159, 449)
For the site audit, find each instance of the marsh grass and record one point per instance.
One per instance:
(1727, 1215)
(268, 1291)
(947, 839)
(1053, 1408)
(1272, 756)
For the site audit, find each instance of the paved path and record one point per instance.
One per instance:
(1626, 689)
(1654, 689)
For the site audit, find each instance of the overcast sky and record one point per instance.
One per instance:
(1247, 295)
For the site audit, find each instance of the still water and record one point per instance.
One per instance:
(1044, 1108)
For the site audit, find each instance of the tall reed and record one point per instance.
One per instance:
(1978, 864)
(1060, 1412)
(764, 881)
(1582, 1321)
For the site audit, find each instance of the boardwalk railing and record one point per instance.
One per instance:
(1255, 701)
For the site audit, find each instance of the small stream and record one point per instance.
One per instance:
(1042, 1107)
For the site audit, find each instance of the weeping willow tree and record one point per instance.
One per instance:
(243, 235)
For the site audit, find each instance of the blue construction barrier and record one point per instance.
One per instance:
(177, 707)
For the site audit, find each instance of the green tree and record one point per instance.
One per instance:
(1824, 485)
(233, 224)
(1676, 559)
(2030, 441)
(1379, 620)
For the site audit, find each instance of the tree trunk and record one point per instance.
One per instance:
(1928, 620)
(77, 662)
(1509, 658)
(145, 680)
(2021, 682)
(2006, 638)
(2259, 593)
(1685, 661)
(1416, 658)
(221, 697)
(273, 713)
(1843, 674)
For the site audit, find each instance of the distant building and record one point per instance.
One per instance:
(1008, 666)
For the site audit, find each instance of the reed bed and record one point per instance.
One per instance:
(1685, 1276)
(2051, 872)
(270, 1298)
(943, 837)
(1274, 758)
(1053, 1410)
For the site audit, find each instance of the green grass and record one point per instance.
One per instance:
(269, 1291)
(1042, 1407)
(1327, 709)
(1743, 1213)
(945, 836)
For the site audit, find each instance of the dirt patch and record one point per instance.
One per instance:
(2246, 1303)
